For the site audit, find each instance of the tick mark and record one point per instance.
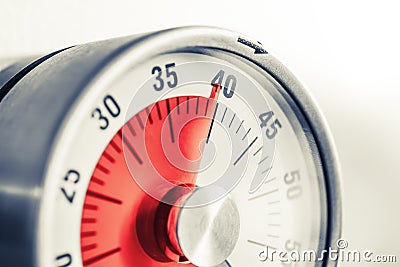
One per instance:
(255, 153)
(260, 244)
(244, 152)
(89, 247)
(246, 134)
(223, 116)
(90, 207)
(115, 146)
(171, 130)
(261, 161)
(256, 243)
(265, 171)
(133, 151)
(108, 157)
(97, 180)
(102, 169)
(149, 118)
(274, 202)
(139, 121)
(88, 234)
(205, 112)
(270, 180)
(264, 194)
(234, 115)
(103, 197)
(240, 125)
(101, 256)
(197, 105)
(130, 128)
(212, 123)
(177, 105)
(89, 220)
(158, 111)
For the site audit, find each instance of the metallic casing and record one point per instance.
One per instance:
(33, 114)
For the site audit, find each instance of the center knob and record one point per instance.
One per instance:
(207, 233)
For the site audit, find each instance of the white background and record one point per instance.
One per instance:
(346, 52)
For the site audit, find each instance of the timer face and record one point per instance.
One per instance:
(186, 119)
(189, 146)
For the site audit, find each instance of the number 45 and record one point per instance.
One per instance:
(272, 128)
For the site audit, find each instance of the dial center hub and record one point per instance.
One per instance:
(207, 234)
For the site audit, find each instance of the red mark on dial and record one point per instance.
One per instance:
(121, 224)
